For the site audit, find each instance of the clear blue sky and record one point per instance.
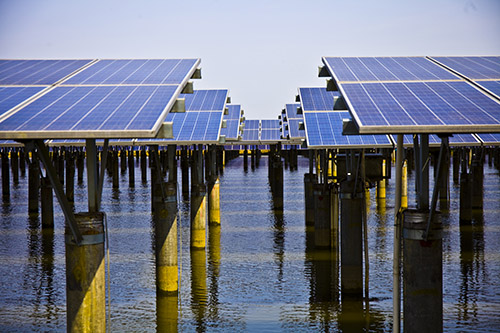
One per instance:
(261, 50)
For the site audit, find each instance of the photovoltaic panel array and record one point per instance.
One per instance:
(233, 120)
(37, 72)
(484, 71)
(202, 121)
(13, 96)
(411, 95)
(490, 139)
(99, 99)
(135, 71)
(382, 69)
(317, 99)
(473, 68)
(270, 130)
(324, 130)
(251, 131)
(293, 122)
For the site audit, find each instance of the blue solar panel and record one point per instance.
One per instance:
(433, 106)
(85, 108)
(37, 72)
(12, 96)
(291, 111)
(373, 69)
(317, 99)
(489, 138)
(232, 129)
(252, 124)
(250, 135)
(234, 111)
(195, 126)
(205, 100)
(474, 68)
(139, 71)
(270, 123)
(491, 86)
(270, 134)
(293, 128)
(324, 129)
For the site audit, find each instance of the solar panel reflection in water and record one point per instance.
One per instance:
(324, 129)
(474, 68)
(37, 72)
(137, 71)
(119, 111)
(13, 96)
(414, 107)
(317, 99)
(373, 69)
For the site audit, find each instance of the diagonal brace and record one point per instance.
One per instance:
(43, 154)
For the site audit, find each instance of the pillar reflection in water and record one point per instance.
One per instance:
(472, 265)
(199, 297)
(214, 260)
(166, 312)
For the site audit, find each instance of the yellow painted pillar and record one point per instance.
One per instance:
(214, 203)
(198, 216)
(381, 183)
(85, 291)
(404, 190)
(165, 218)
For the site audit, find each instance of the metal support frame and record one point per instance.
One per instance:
(101, 174)
(396, 271)
(159, 175)
(43, 154)
(442, 150)
(92, 176)
(423, 193)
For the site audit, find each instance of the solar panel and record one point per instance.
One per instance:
(205, 100)
(101, 101)
(116, 110)
(489, 138)
(317, 99)
(135, 71)
(231, 130)
(294, 131)
(492, 86)
(291, 111)
(196, 126)
(270, 124)
(233, 112)
(421, 107)
(37, 72)
(250, 135)
(251, 124)
(474, 68)
(324, 129)
(13, 96)
(376, 69)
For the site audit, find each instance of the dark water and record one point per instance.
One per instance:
(258, 272)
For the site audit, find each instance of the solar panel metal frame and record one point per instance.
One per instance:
(99, 134)
(404, 129)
